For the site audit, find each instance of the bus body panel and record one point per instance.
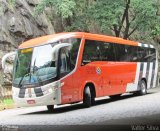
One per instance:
(109, 78)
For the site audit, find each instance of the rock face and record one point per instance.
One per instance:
(18, 24)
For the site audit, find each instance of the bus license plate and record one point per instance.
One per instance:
(31, 102)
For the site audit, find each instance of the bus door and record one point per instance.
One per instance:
(67, 89)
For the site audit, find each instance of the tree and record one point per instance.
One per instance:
(73, 12)
(123, 17)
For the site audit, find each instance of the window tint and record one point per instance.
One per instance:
(108, 52)
(150, 55)
(64, 62)
(68, 55)
(129, 53)
(98, 51)
(74, 52)
(104, 51)
(126, 53)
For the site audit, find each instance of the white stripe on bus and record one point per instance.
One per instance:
(144, 70)
(139, 44)
(145, 45)
(151, 46)
(149, 76)
(137, 74)
(155, 74)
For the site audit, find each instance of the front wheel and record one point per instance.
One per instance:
(50, 108)
(143, 88)
(87, 98)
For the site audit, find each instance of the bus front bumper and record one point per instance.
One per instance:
(51, 96)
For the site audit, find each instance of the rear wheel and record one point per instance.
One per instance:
(50, 108)
(87, 97)
(143, 88)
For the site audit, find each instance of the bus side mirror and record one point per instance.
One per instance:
(4, 58)
(56, 49)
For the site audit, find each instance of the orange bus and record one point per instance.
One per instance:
(72, 67)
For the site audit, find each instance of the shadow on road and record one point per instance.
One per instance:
(80, 105)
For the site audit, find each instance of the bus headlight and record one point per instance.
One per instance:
(51, 87)
(55, 87)
(50, 90)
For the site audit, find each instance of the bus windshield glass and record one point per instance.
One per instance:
(36, 66)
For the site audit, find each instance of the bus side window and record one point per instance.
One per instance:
(98, 51)
(64, 62)
(74, 52)
(108, 52)
(121, 52)
(150, 55)
(90, 52)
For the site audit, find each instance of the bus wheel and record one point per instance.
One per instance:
(87, 98)
(143, 88)
(115, 96)
(50, 108)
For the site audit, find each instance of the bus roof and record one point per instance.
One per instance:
(50, 38)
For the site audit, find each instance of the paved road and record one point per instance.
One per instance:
(128, 110)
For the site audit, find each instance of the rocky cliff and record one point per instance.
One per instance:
(17, 24)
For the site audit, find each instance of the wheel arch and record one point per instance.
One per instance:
(92, 88)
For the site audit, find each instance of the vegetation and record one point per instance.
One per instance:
(122, 18)
(6, 104)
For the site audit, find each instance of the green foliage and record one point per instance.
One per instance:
(123, 17)
(139, 16)
(107, 13)
(156, 31)
(63, 8)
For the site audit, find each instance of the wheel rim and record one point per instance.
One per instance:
(143, 88)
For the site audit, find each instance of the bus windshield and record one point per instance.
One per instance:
(34, 65)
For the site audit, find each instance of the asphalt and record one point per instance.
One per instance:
(129, 112)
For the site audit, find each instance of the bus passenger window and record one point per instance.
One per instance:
(64, 60)
(98, 51)
(90, 52)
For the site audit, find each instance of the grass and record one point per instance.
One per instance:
(6, 104)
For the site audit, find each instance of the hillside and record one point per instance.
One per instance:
(18, 24)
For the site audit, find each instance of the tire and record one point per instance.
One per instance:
(143, 88)
(50, 108)
(87, 98)
(115, 96)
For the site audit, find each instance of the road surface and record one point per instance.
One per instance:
(128, 110)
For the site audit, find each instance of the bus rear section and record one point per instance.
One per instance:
(114, 68)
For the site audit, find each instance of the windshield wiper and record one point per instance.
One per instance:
(33, 70)
(20, 85)
(28, 70)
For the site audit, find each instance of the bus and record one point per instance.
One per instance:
(76, 67)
